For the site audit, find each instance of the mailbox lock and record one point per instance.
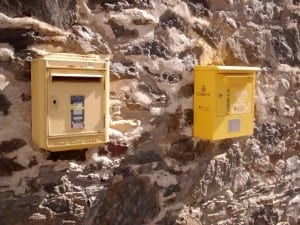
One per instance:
(53, 100)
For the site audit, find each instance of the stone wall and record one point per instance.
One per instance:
(153, 171)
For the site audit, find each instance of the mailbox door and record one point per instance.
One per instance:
(235, 94)
(76, 102)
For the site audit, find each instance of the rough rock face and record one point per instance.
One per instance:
(134, 197)
(153, 171)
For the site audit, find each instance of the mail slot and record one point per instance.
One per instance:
(70, 97)
(223, 101)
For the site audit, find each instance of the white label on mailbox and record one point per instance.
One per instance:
(77, 112)
(234, 125)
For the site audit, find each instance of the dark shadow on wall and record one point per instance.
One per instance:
(4, 104)
(65, 11)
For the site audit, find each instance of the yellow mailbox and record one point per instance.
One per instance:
(70, 97)
(223, 101)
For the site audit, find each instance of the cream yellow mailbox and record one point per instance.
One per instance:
(70, 97)
(223, 101)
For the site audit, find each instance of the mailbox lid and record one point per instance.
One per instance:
(71, 56)
(77, 61)
(229, 69)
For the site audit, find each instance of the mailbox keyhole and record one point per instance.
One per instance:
(54, 102)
